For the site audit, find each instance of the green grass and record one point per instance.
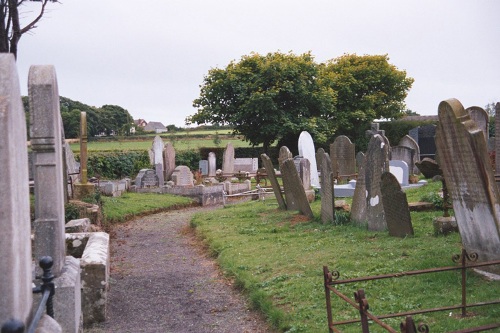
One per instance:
(276, 258)
(129, 205)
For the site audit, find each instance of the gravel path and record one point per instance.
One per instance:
(161, 281)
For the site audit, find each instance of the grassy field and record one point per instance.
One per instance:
(276, 257)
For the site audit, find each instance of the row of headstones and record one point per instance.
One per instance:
(49, 225)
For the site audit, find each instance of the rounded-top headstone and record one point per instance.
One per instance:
(306, 150)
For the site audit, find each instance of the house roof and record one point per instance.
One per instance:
(154, 125)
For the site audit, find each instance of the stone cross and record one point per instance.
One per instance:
(307, 150)
(397, 212)
(268, 165)
(48, 165)
(464, 159)
(15, 244)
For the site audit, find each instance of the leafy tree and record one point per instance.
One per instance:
(10, 24)
(266, 97)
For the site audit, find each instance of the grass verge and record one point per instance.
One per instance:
(276, 257)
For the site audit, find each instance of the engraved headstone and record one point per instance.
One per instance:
(268, 165)
(284, 155)
(481, 118)
(168, 160)
(228, 160)
(400, 170)
(248, 164)
(359, 207)
(306, 150)
(182, 176)
(343, 156)
(212, 168)
(327, 191)
(157, 153)
(203, 167)
(146, 178)
(377, 162)
(407, 141)
(463, 157)
(497, 141)
(402, 153)
(424, 136)
(15, 244)
(397, 212)
(295, 194)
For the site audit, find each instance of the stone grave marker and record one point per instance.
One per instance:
(327, 191)
(228, 160)
(182, 176)
(480, 116)
(295, 194)
(424, 136)
(306, 150)
(429, 168)
(15, 240)
(397, 212)
(464, 159)
(402, 153)
(285, 154)
(376, 162)
(157, 150)
(497, 142)
(343, 156)
(168, 160)
(203, 167)
(268, 165)
(146, 178)
(407, 141)
(303, 167)
(360, 158)
(358, 207)
(212, 168)
(246, 165)
(401, 171)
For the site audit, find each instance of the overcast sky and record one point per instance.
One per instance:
(150, 56)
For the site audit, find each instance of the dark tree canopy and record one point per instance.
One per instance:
(275, 97)
(11, 30)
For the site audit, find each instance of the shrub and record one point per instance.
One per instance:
(117, 165)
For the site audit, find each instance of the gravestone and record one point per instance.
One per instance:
(168, 160)
(246, 165)
(429, 168)
(15, 243)
(358, 207)
(295, 194)
(464, 159)
(376, 162)
(343, 156)
(327, 191)
(424, 136)
(83, 188)
(48, 165)
(285, 154)
(406, 154)
(182, 176)
(319, 155)
(146, 178)
(497, 142)
(306, 150)
(481, 118)
(303, 167)
(397, 213)
(212, 168)
(407, 141)
(203, 167)
(157, 153)
(228, 160)
(268, 165)
(401, 171)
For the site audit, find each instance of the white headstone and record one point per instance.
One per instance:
(306, 150)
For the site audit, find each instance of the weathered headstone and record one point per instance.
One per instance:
(402, 153)
(228, 160)
(360, 158)
(284, 154)
(497, 142)
(470, 181)
(424, 136)
(429, 168)
(295, 194)
(343, 156)
(307, 150)
(303, 167)
(182, 176)
(212, 168)
(83, 188)
(397, 213)
(407, 141)
(15, 244)
(248, 164)
(376, 162)
(327, 191)
(268, 165)
(319, 155)
(47, 147)
(157, 150)
(168, 160)
(147, 178)
(481, 118)
(203, 167)
(400, 170)
(358, 207)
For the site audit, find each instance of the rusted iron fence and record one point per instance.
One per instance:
(465, 261)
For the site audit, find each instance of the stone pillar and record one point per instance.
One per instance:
(83, 189)
(15, 245)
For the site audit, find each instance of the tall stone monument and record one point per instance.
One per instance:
(463, 157)
(157, 153)
(307, 150)
(327, 189)
(228, 160)
(83, 188)
(168, 160)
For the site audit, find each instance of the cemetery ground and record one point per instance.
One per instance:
(276, 258)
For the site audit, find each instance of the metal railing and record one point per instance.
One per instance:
(331, 278)
(47, 289)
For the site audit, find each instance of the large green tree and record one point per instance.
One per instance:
(266, 97)
(11, 28)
